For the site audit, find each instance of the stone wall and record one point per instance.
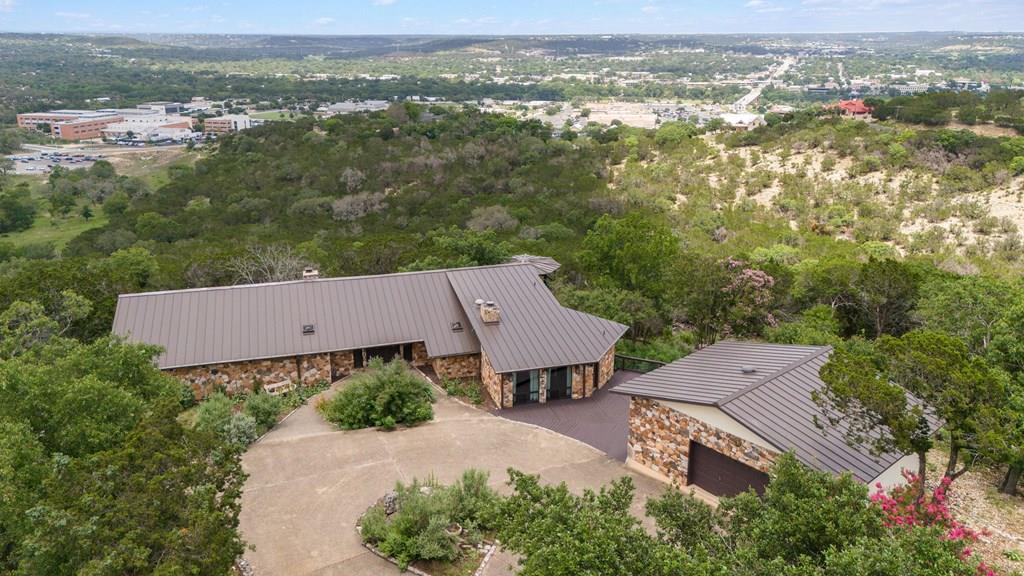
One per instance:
(465, 366)
(314, 368)
(342, 364)
(419, 354)
(498, 386)
(580, 385)
(607, 367)
(235, 377)
(659, 439)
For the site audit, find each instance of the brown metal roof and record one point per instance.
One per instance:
(214, 325)
(774, 402)
(535, 331)
(235, 323)
(713, 373)
(544, 264)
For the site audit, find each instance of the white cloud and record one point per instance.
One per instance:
(323, 21)
(7, 5)
(384, 2)
(650, 9)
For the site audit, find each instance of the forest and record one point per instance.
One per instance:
(789, 233)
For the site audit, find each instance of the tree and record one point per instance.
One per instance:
(596, 534)
(97, 473)
(631, 251)
(883, 297)
(271, 263)
(86, 212)
(955, 385)
(968, 307)
(17, 209)
(876, 411)
(720, 297)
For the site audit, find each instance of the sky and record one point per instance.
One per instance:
(509, 17)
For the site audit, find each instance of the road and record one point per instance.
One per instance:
(755, 92)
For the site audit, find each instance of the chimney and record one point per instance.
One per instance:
(490, 313)
(310, 273)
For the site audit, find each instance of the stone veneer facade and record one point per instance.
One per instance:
(235, 377)
(464, 366)
(659, 439)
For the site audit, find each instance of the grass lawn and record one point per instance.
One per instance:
(57, 230)
(273, 115)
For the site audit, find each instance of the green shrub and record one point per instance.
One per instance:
(214, 413)
(387, 396)
(463, 388)
(241, 429)
(264, 408)
(421, 528)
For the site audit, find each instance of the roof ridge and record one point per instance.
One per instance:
(320, 280)
(781, 371)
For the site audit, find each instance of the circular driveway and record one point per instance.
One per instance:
(309, 483)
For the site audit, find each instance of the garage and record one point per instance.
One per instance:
(721, 475)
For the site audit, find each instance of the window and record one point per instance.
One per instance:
(559, 383)
(527, 387)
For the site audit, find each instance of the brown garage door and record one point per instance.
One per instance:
(721, 475)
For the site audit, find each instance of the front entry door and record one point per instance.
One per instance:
(527, 387)
(559, 383)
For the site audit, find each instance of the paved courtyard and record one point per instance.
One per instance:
(601, 421)
(308, 482)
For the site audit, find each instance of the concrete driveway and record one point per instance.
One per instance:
(308, 483)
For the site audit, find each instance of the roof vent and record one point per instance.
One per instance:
(308, 329)
(490, 313)
(479, 302)
(748, 369)
(457, 326)
(310, 273)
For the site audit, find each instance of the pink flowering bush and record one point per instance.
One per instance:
(902, 507)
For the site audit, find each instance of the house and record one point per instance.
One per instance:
(499, 324)
(720, 417)
(853, 108)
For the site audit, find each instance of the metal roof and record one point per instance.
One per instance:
(544, 264)
(774, 402)
(712, 373)
(249, 322)
(535, 331)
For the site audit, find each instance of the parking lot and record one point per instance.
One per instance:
(43, 162)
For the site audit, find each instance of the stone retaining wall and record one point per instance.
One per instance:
(659, 439)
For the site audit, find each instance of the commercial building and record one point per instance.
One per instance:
(498, 324)
(229, 123)
(70, 124)
(151, 127)
(720, 417)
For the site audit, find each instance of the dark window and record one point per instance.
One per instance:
(527, 387)
(387, 353)
(407, 352)
(559, 383)
(357, 358)
(597, 373)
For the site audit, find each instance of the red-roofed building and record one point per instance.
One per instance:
(853, 108)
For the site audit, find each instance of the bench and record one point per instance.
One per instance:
(279, 387)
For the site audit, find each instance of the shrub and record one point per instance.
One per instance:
(495, 218)
(421, 527)
(264, 408)
(463, 388)
(214, 413)
(386, 396)
(241, 429)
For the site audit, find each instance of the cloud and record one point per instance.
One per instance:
(323, 21)
(7, 5)
(73, 15)
(650, 9)
(384, 2)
